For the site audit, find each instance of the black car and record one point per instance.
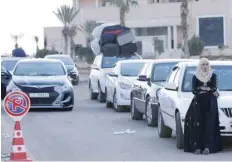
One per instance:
(69, 64)
(5, 79)
(45, 81)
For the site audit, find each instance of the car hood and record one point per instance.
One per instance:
(127, 80)
(39, 80)
(224, 100)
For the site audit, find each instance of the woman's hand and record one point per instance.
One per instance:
(205, 88)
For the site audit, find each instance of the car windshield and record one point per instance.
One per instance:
(39, 69)
(131, 69)
(9, 64)
(109, 61)
(65, 60)
(161, 71)
(224, 75)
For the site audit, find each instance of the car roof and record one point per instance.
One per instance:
(212, 62)
(39, 60)
(171, 60)
(57, 55)
(12, 58)
(134, 60)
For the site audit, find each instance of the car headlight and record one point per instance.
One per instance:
(12, 88)
(124, 86)
(65, 87)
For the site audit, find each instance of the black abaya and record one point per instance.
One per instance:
(201, 129)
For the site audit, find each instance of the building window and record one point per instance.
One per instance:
(211, 30)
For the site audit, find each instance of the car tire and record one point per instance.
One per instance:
(3, 92)
(76, 82)
(69, 109)
(93, 96)
(101, 95)
(151, 114)
(135, 114)
(179, 132)
(163, 130)
(108, 103)
(117, 107)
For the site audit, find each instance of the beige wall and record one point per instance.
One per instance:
(160, 14)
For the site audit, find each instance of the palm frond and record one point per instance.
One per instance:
(66, 14)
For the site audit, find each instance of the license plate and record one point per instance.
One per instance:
(39, 95)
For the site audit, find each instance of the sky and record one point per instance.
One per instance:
(27, 18)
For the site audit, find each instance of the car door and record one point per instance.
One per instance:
(145, 88)
(172, 97)
(94, 75)
(139, 101)
(165, 102)
(112, 81)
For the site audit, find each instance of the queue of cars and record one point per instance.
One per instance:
(46, 81)
(160, 90)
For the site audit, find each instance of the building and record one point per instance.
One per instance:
(209, 19)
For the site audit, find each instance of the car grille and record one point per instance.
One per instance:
(227, 112)
(41, 101)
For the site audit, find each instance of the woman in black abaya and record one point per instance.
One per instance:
(202, 132)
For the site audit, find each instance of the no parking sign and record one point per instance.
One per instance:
(16, 104)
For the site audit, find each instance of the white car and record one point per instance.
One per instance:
(175, 98)
(120, 81)
(101, 66)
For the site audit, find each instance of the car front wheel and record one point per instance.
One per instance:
(135, 114)
(151, 114)
(179, 132)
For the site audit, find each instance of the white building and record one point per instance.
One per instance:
(209, 19)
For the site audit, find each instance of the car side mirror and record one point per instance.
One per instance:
(113, 74)
(6, 74)
(142, 78)
(171, 86)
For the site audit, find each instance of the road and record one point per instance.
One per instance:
(87, 134)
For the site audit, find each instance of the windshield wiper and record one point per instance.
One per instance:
(45, 75)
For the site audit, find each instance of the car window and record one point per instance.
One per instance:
(131, 69)
(224, 75)
(109, 61)
(9, 64)
(39, 69)
(161, 71)
(172, 75)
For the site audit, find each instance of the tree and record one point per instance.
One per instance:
(66, 15)
(87, 29)
(16, 38)
(124, 7)
(184, 25)
(45, 42)
(36, 39)
(71, 34)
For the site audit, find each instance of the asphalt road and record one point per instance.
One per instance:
(87, 134)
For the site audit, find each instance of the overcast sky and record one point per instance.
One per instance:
(27, 17)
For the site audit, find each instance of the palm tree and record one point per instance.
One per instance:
(184, 24)
(124, 7)
(36, 39)
(71, 34)
(87, 29)
(66, 15)
(16, 37)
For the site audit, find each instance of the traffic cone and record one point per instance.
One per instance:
(18, 151)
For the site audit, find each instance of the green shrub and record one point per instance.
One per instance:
(196, 46)
(87, 53)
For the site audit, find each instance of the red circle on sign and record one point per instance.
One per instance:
(21, 94)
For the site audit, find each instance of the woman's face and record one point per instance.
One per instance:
(205, 66)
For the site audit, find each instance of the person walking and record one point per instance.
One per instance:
(201, 129)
